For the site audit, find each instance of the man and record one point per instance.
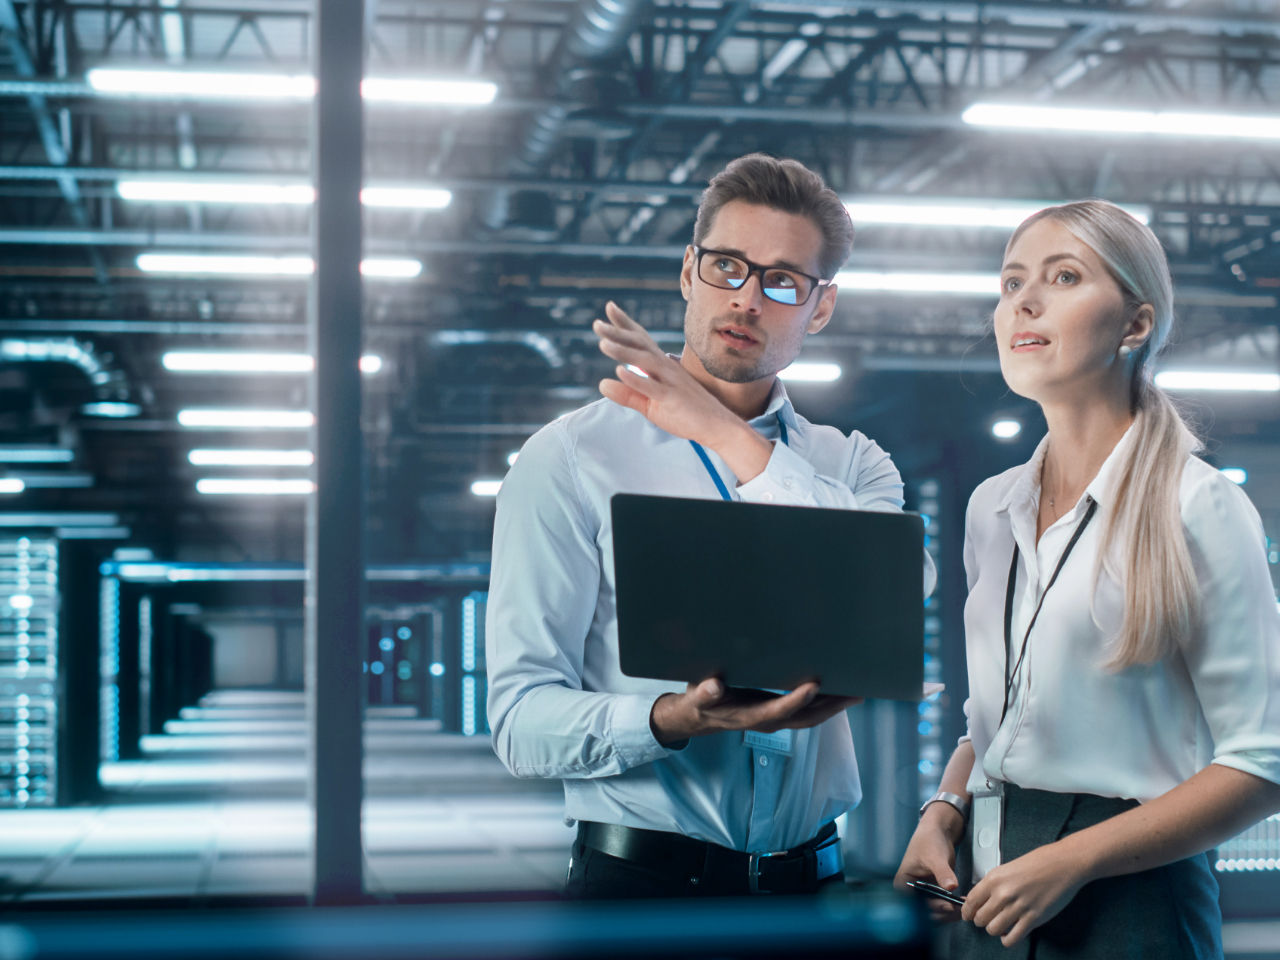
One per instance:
(680, 792)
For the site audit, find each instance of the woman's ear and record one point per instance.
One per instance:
(1141, 324)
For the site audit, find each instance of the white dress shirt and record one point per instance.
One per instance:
(560, 707)
(1074, 726)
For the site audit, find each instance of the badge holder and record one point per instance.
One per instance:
(987, 826)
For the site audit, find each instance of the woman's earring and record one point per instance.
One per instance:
(1124, 351)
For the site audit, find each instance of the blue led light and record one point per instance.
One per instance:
(387, 644)
(404, 633)
(437, 669)
(925, 727)
(376, 668)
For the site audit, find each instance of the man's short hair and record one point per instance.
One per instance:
(785, 185)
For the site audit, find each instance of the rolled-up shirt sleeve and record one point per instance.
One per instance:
(541, 603)
(1234, 659)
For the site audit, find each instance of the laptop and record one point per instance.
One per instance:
(770, 596)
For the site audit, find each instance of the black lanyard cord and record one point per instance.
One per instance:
(1008, 604)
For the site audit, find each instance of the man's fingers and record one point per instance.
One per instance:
(623, 395)
(619, 317)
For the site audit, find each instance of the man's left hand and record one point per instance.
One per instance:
(1018, 896)
(667, 394)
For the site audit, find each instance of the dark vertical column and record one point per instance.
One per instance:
(335, 549)
(78, 674)
(127, 673)
(450, 705)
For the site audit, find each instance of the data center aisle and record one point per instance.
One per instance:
(216, 807)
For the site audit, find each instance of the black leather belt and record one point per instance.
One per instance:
(713, 867)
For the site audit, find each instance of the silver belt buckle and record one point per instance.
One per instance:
(753, 869)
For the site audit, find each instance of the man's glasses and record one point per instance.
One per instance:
(780, 284)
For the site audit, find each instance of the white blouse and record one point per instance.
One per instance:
(1073, 726)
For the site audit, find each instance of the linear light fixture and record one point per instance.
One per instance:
(486, 488)
(966, 284)
(227, 190)
(225, 361)
(1006, 429)
(54, 480)
(271, 487)
(31, 453)
(111, 409)
(1204, 126)
(246, 419)
(955, 212)
(53, 519)
(11, 485)
(210, 457)
(1237, 475)
(1224, 380)
(203, 265)
(806, 372)
(225, 85)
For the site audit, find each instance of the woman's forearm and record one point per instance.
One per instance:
(1213, 805)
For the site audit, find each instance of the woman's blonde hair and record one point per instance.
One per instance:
(1146, 519)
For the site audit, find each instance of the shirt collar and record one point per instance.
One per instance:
(779, 405)
(1025, 490)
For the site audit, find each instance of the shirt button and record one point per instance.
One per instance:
(768, 498)
(764, 759)
(787, 483)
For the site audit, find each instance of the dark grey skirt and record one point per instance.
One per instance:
(1170, 912)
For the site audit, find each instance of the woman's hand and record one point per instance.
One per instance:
(931, 855)
(1018, 896)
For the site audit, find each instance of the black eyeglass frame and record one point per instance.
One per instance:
(752, 269)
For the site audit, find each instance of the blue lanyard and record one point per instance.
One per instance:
(706, 460)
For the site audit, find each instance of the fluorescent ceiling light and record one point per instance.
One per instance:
(246, 418)
(27, 453)
(391, 268)
(224, 190)
(58, 519)
(1124, 122)
(206, 457)
(11, 485)
(220, 85)
(255, 487)
(214, 361)
(1006, 429)
(406, 198)
(209, 361)
(52, 480)
(113, 409)
(463, 93)
(968, 284)
(802, 372)
(486, 488)
(1226, 380)
(946, 212)
(202, 264)
(225, 85)
(1237, 475)
(215, 191)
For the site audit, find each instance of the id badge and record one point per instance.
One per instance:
(779, 743)
(988, 825)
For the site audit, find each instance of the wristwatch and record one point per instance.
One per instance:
(960, 803)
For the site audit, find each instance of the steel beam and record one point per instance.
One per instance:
(335, 513)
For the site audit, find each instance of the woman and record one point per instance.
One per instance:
(1121, 629)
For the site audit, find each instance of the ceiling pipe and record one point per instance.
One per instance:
(583, 65)
(113, 396)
